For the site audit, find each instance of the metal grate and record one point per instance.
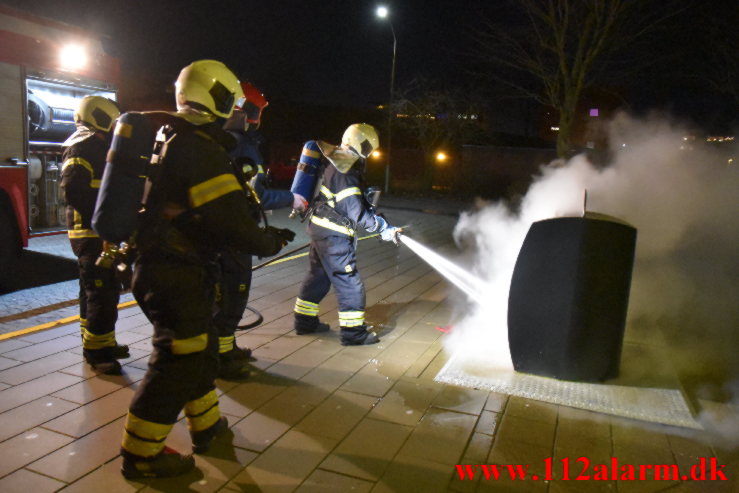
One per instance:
(656, 405)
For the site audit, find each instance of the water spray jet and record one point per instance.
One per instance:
(468, 283)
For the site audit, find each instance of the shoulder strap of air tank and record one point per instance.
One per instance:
(168, 126)
(314, 201)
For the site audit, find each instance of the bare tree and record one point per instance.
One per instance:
(554, 49)
(720, 60)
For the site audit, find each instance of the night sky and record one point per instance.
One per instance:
(338, 52)
(329, 51)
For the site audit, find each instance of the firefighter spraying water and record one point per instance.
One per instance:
(330, 178)
(308, 184)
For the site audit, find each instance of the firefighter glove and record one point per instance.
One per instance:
(124, 275)
(380, 225)
(286, 235)
(299, 202)
(391, 234)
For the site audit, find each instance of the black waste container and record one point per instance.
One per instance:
(568, 298)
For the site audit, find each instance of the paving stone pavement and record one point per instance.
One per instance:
(316, 416)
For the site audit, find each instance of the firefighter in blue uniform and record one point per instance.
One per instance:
(339, 208)
(84, 162)
(235, 266)
(194, 209)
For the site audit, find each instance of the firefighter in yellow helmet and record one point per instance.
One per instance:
(84, 162)
(235, 266)
(340, 208)
(195, 207)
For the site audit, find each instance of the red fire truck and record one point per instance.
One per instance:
(46, 67)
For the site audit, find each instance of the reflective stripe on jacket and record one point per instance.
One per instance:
(345, 207)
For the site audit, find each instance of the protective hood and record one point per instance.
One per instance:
(237, 122)
(342, 158)
(79, 135)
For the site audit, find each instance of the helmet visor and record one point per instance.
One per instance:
(223, 98)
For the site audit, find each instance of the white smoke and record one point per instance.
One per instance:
(683, 199)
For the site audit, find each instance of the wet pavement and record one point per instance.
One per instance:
(316, 416)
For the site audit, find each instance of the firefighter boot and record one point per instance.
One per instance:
(120, 351)
(232, 365)
(102, 360)
(358, 336)
(165, 464)
(201, 440)
(305, 324)
(243, 353)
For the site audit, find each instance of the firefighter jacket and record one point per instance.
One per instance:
(247, 155)
(84, 162)
(340, 206)
(199, 199)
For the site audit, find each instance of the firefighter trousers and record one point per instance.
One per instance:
(233, 296)
(177, 297)
(99, 296)
(333, 261)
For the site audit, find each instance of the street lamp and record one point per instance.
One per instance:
(383, 13)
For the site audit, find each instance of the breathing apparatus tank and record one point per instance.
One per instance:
(307, 177)
(122, 186)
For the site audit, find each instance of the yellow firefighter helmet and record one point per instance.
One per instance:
(209, 87)
(96, 112)
(361, 138)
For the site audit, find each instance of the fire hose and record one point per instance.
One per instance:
(259, 316)
(397, 240)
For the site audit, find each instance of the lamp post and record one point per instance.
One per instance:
(383, 13)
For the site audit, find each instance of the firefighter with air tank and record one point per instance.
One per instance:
(235, 276)
(194, 207)
(84, 162)
(332, 177)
